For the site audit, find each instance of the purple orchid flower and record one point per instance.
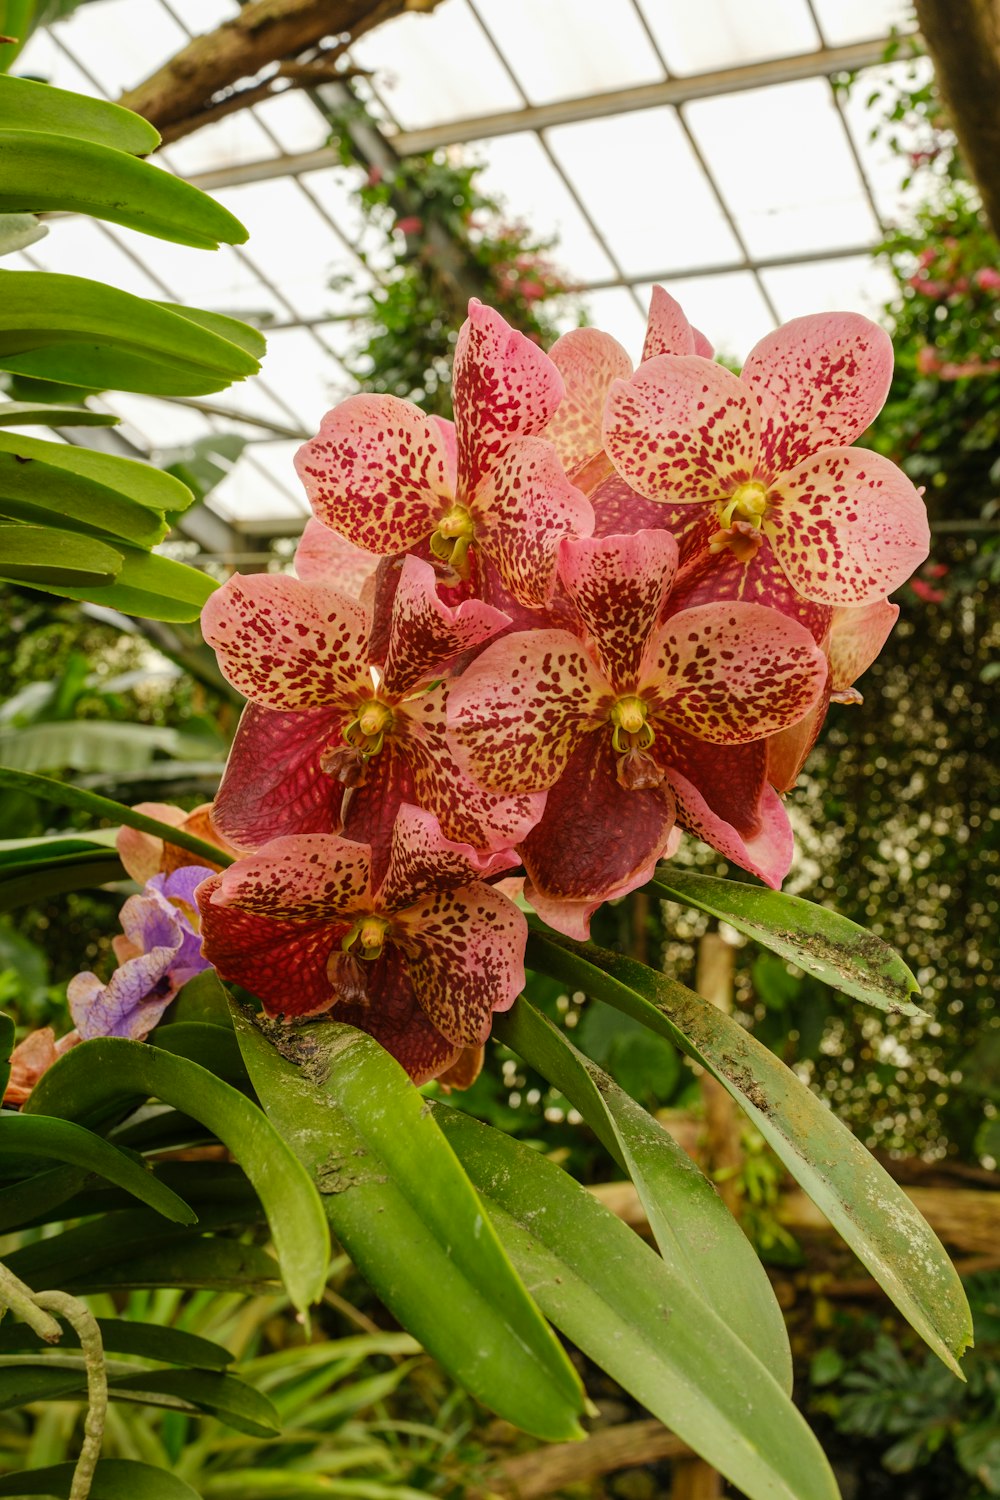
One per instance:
(160, 950)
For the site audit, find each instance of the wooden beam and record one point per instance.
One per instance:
(963, 39)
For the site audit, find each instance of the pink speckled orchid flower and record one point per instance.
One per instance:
(389, 478)
(420, 959)
(590, 361)
(852, 643)
(636, 725)
(762, 461)
(320, 723)
(324, 556)
(159, 951)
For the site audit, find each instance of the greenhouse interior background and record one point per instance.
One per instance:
(762, 161)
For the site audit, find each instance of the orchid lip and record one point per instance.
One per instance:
(367, 935)
(748, 502)
(631, 729)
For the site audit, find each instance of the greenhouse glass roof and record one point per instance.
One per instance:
(702, 146)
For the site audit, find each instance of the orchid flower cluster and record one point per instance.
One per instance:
(523, 651)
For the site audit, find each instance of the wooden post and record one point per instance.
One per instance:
(693, 1479)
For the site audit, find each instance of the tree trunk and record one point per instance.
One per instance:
(963, 39)
(199, 82)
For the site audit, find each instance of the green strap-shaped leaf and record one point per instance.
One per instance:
(249, 338)
(114, 1479)
(73, 872)
(91, 1077)
(7, 1034)
(149, 586)
(61, 1140)
(92, 367)
(42, 495)
(42, 557)
(223, 1396)
(46, 173)
(43, 414)
(213, 1047)
(697, 1235)
(142, 483)
(42, 307)
(26, 105)
(860, 1199)
(404, 1210)
(173, 1346)
(820, 941)
(639, 1320)
(96, 745)
(38, 1199)
(48, 790)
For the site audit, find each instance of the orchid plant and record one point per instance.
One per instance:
(525, 653)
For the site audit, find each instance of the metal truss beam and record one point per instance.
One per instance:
(822, 63)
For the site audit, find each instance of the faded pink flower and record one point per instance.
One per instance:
(389, 478)
(144, 855)
(636, 725)
(420, 959)
(762, 462)
(31, 1058)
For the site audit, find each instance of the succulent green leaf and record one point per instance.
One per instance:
(822, 942)
(149, 586)
(42, 173)
(639, 1320)
(404, 1210)
(144, 484)
(697, 1235)
(94, 1076)
(72, 872)
(27, 105)
(45, 558)
(871, 1212)
(61, 1140)
(172, 1346)
(43, 495)
(45, 414)
(48, 790)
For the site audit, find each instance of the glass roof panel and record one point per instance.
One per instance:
(729, 309)
(853, 284)
(846, 21)
(307, 378)
(161, 424)
(288, 234)
(518, 171)
(82, 247)
(725, 33)
(784, 166)
(202, 15)
(569, 48)
(249, 493)
(229, 142)
(642, 185)
(614, 310)
(295, 121)
(141, 34)
(884, 167)
(436, 67)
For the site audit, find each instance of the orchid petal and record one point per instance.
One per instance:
(596, 840)
(273, 783)
(667, 329)
(619, 584)
(682, 429)
(142, 853)
(730, 778)
(425, 634)
(820, 380)
(370, 809)
(301, 878)
(768, 854)
(395, 1018)
(324, 556)
(712, 576)
(502, 385)
(847, 526)
(729, 673)
(588, 361)
(522, 509)
(286, 644)
(126, 1006)
(620, 510)
(464, 951)
(856, 638)
(422, 859)
(788, 750)
(515, 715)
(702, 346)
(486, 820)
(283, 963)
(377, 472)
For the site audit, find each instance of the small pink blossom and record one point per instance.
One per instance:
(987, 278)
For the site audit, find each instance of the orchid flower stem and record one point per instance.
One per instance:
(36, 1309)
(48, 790)
(83, 1322)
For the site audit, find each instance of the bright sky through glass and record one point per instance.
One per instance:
(752, 206)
